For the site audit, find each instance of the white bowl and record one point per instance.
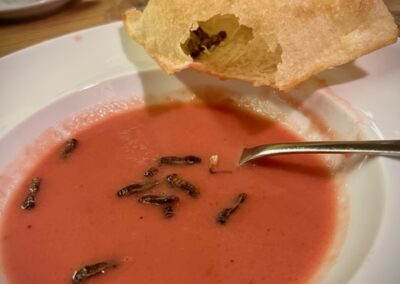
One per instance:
(154, 86)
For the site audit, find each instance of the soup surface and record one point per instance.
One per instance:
(280, 234)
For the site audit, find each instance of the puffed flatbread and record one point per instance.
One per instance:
(278, 43)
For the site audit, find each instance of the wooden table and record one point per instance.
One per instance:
(78, 14)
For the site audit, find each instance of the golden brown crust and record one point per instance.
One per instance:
(269, 42)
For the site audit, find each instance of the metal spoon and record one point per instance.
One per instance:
(371, 147)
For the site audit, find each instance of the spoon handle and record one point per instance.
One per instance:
(369, 147)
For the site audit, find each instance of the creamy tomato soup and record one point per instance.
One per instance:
(280, 233)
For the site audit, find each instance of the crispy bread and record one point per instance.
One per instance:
(278, 43)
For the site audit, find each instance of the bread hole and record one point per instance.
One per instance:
(224, 46)
(220, 31)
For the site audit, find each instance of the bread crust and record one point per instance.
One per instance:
(289, 41)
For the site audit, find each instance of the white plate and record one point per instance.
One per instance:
(66, 72)
(18, 9)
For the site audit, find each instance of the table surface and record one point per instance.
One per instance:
(76, 15)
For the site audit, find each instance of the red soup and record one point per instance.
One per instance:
(176, 231)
